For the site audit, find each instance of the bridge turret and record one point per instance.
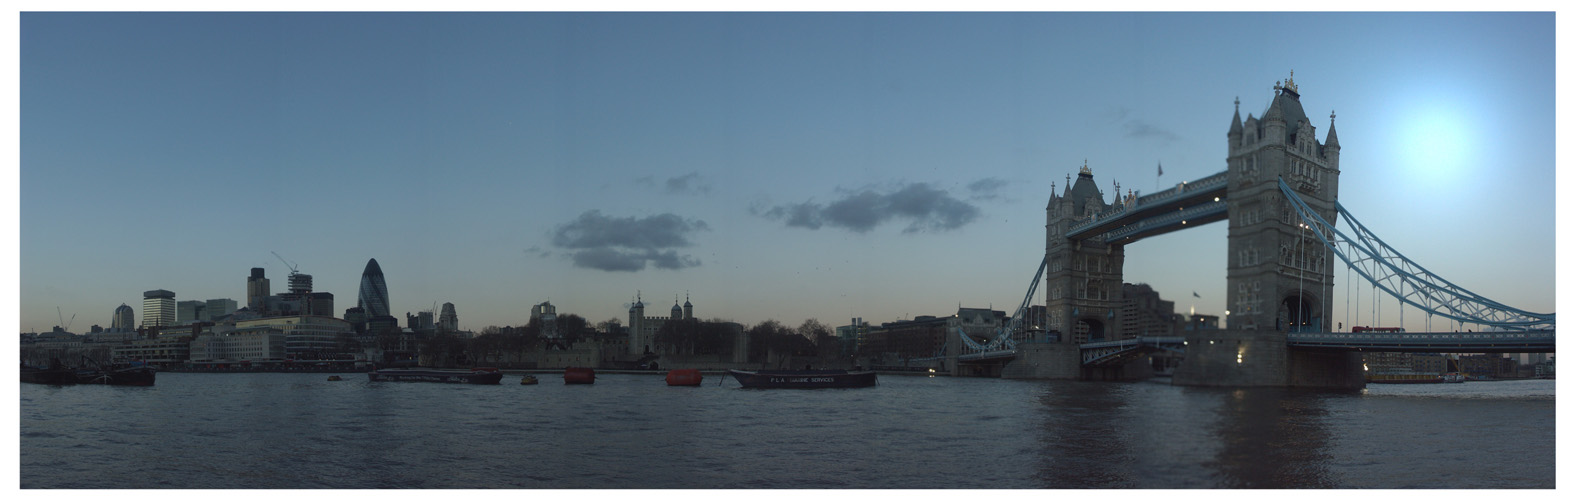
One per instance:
(1235, 133)
(1082, 278)
(1331, 146)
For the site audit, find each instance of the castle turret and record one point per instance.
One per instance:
(637, 341)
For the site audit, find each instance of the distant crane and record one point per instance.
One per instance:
(286, 263)
(64, 325)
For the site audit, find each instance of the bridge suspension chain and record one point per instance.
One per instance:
(1387, 269)
(1005, 337)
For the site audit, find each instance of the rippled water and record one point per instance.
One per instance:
(632, 431)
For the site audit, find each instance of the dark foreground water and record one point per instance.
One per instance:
(632, 431)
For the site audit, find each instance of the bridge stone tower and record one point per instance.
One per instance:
(1082, 277)
(1279, 276)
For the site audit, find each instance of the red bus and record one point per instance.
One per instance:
(1376, 329)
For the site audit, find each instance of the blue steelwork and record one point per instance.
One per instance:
(1099, 353)
(1197, 203)
(1443, 342)
(1004, 345)
(1403, 279)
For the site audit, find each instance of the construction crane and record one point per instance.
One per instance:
(64, 325)
(286, 263)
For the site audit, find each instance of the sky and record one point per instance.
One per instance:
(767, 166)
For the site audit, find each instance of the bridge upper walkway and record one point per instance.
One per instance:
(1442, 342)
(1188, 204)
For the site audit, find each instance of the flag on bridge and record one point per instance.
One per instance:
(1161, 168)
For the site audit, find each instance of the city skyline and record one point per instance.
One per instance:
(770, 166)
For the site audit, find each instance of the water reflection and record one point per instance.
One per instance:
(1272, 438)
(1151, 435)
(1084, 439)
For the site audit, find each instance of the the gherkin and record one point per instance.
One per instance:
(374, 292)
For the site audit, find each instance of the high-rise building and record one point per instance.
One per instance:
(373, 299)
(257, 290)
(187, 311)
(320, 304)
(420, 321)
(158, 308)
(357, 317)
(218, 308)
(1144, 314)
(448, 320)
(300, 284)
(546, 315)
(124, 319)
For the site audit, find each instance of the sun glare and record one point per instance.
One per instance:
(1437, 145)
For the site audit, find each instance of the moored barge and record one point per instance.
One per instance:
(447, 376)
(803, 379)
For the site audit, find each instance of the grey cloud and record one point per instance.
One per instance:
(687, 184)
(627, 243)
(805, 215)
(1139, 129)
(538, 251)
(925, 208)
(987, 188)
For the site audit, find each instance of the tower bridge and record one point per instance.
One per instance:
(1278, 194)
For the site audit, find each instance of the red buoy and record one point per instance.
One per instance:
(572, 375)
(687, 376)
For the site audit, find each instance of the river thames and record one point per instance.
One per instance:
(267, 430)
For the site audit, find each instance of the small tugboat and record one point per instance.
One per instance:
(448, 376)
(528, 380)
(573, 375)
(684, 377)
(804, 379)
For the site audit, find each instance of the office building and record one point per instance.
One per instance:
(124, 320)
(448, 320)
(218, 308)
(257, 291)
(158, 308)
(308, 337)
(187, 311)
(373, 299)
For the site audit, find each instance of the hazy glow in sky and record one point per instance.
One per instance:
(769, 166)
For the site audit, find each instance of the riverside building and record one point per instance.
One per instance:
(308, 337)
(256, 345)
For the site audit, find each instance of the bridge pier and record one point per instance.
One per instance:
(1136, 369)
(1261, 358)
(1053, 361)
